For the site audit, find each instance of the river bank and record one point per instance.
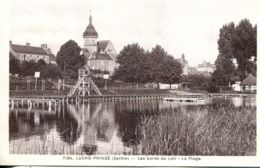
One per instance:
(61, 93)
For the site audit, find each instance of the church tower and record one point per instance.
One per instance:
(90, 36)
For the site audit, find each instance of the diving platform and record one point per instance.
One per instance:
(84, 85)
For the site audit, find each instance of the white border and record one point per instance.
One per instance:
(6, 159)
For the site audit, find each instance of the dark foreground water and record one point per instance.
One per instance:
(91, 128)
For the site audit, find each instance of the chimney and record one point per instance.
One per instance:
(10, 42)
(27, 44)
(44, 47)
(183, 56)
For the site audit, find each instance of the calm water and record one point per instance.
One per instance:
(99, 128)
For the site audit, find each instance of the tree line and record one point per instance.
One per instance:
(139, 66)
(135, 65)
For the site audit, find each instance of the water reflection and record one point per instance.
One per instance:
(128, 116)
(238, 102)
(67, 126)
(24, 124)
(100, 128)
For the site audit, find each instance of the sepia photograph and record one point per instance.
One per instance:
(136, 80)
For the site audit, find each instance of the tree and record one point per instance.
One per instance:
(225, 70)
(138, 66)
(164, 68)
(28, 68)
(224, 65)
(239, 43)
(40, 65)
(170, 70)
(52, 71)
(132, 64)
(244, 45)
(14, 65)
(69, 58)
(225, 41)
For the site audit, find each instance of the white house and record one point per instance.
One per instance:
(28, 52)
(237, 87)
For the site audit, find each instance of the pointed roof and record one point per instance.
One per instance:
(249, 80)
(90, 30)
(102, 45)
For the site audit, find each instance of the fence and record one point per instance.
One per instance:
(30, 85)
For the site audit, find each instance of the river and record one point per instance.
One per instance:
(90, 128)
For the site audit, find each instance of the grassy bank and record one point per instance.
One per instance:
(32, 93)
(223, 130)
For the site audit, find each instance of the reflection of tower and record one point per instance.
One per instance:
(105, 123)
(98, 125)
(89, 132)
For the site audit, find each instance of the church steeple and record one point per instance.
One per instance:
(90, 36)
(90, 19)
(90, 30)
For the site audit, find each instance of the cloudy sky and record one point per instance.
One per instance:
(179, 26)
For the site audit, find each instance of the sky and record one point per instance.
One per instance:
(190, 27)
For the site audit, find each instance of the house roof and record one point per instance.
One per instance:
(249, 80)
(102, 45)
(102, 56)
(28, 49)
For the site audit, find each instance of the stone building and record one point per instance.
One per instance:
(28, 52)
(101, 55)
(206, 67)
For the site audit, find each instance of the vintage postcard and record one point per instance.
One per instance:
(130, 83)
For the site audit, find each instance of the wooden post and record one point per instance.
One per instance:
(49, 104)
(12, 104)
(35, 84)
